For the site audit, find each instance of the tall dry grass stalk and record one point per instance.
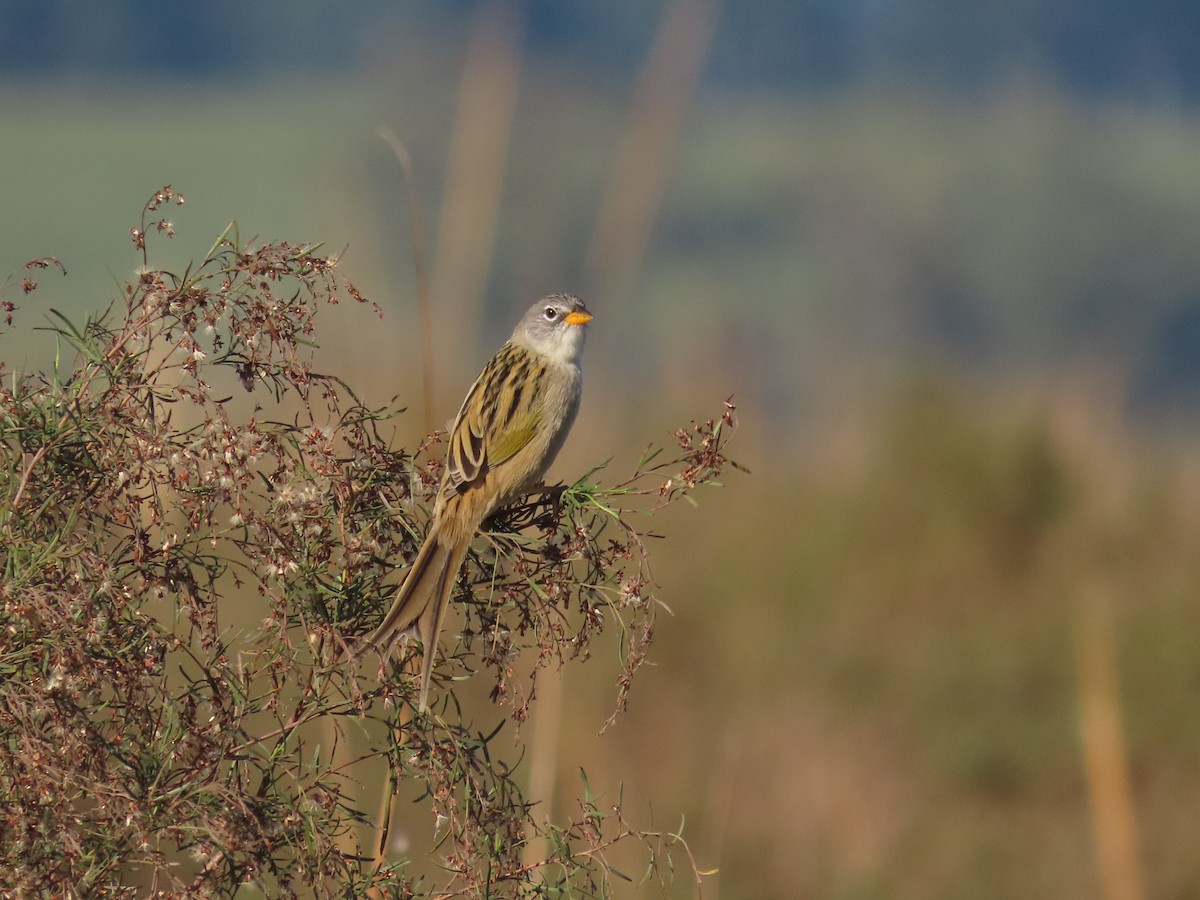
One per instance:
(638, 175)
(387, 800)
(421, 267)
(1104, 752)
(543, 757)
(475, 177)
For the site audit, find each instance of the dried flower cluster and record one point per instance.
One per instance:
(193, 526)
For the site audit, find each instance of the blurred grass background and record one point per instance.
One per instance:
(947, 629)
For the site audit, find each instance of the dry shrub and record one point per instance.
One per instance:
(186, 471)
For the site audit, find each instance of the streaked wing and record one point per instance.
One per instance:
(499, 417)
(467, 454)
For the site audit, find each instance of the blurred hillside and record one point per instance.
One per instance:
(942, 255)
(1145, 49)
(804, 247)
(993, 189)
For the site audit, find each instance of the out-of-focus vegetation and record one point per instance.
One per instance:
(872, 688)
(957, 299)
(803, 246)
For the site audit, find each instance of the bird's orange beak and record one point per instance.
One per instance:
(578, 317)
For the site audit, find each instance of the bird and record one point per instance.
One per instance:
(508, 431)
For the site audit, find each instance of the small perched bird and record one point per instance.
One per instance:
(510, 427)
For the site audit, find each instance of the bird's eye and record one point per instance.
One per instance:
(551, 313)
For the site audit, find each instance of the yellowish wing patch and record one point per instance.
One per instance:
(513, 439)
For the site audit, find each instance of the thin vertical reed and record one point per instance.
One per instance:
(424, 309)
(1104, 753)
(478, 149)
(638, 175)
(543, 756)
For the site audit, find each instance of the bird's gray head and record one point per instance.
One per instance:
(555, 326)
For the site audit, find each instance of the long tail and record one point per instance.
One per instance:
(429, 625)
(423, 598)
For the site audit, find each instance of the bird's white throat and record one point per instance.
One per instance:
(563, 346)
